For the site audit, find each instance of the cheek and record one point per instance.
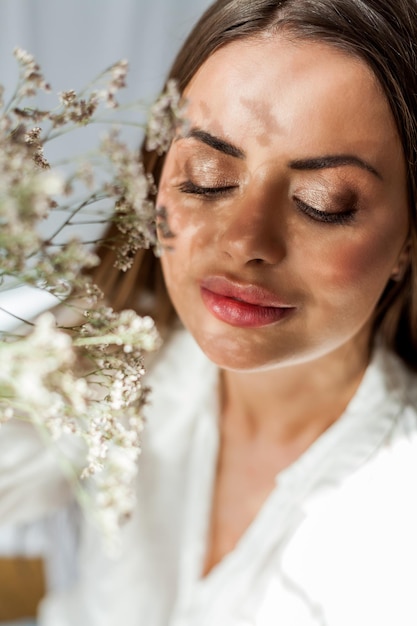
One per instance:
(357, 267)
(353, 264)
(191, 224)
(190, 240)
(188, 235)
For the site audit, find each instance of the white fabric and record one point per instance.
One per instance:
(35, 519)
(334, 545)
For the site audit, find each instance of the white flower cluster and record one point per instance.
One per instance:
(25, 198)
(134, 209)
(115, 420)
(39, 383)
(84, 380)
(36, 379)
(167, 117)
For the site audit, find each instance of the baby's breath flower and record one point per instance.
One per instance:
(67, 97)
(84, 381)
(32, 77)
(76, 110)
(33, 140)
(134, 209)
(167, 117)
(36, 372)
(118, 73)
(93, 294)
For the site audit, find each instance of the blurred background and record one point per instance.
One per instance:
(73, 41)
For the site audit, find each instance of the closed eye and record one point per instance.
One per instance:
(210, 192)
(345, 216)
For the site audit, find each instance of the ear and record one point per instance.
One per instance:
(403, 261)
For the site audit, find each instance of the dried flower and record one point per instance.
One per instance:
(31, 77)
(118, 73)
(134, 208)
(85, 380)
(167, 117)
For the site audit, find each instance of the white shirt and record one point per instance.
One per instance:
(335, 544)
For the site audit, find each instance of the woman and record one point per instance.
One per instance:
(278, 473)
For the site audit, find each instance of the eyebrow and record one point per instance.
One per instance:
(330, 161)
(313, 163)
(215, 142)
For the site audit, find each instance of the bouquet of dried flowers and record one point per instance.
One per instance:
(83, 380)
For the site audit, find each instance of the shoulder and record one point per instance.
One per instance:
(389, 476)
(400, 388)
(361, 529)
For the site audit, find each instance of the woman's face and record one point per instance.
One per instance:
(288, 202)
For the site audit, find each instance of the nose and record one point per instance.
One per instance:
(254, 231)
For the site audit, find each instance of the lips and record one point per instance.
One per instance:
(249, 306)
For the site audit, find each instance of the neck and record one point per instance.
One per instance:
(293, 403)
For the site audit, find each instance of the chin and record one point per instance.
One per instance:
(242, 353)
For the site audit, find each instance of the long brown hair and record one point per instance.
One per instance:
(383, 33)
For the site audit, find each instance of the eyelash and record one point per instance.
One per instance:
(208, 192)
(326, 217)
(338, 217)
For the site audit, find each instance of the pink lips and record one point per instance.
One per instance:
(247, 306)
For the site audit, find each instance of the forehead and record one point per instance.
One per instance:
(285, 90)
